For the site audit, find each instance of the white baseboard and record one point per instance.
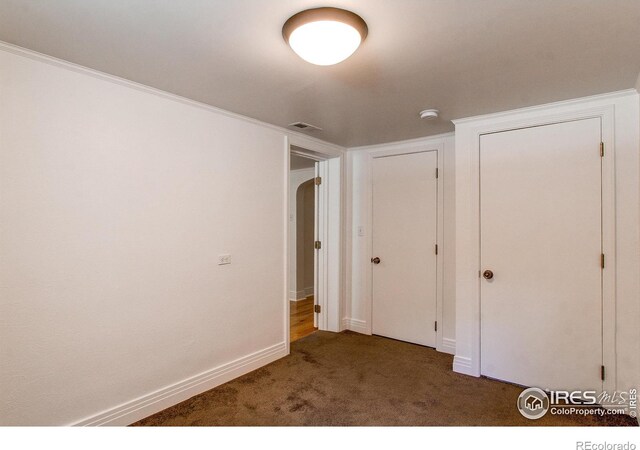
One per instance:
(462, 364)
(358, 326)
(448, 346)
(308, 291)
(296, 296)
(154, 402)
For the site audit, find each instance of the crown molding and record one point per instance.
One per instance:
(546, 106)
(41, 57)
(405, 143)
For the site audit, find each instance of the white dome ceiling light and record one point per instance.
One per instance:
(325, 36)
(429, 114)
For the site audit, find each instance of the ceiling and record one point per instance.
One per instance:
(464, 57)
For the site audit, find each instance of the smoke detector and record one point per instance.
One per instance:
(429, 114)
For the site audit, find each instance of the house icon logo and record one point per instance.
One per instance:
(533, 403)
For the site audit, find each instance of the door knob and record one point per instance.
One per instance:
(375, 260)
(487, 274)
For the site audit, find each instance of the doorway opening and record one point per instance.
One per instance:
(320, 167)
(302, 238)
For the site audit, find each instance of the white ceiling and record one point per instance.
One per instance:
(464, 57)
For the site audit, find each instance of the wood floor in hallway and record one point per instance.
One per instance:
(301, 318)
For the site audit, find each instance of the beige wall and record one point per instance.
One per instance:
(115, 205)
(305, 224)
(296, 179)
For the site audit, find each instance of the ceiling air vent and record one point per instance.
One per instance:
(304, 126)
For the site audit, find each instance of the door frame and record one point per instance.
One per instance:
(468, 132)
(328, 281)
(383, 153)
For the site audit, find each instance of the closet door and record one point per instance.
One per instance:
(405, 212)
(541, 246)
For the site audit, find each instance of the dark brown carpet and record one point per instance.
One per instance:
(352, 379)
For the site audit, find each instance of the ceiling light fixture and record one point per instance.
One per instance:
(429, 114)
(325, 36)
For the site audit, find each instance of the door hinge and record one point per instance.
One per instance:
(317, 181)
(602, 260)
(601, 149)
(436, 249)
(602, 373)
(436, 327)
(317, 245)
(437, 173)
(317, 309)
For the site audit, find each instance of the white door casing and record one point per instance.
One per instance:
(541, 236)
(404, 237)
(318, 256)
(328, 262)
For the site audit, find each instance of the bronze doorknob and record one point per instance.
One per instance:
(487, 274)
(375, 260)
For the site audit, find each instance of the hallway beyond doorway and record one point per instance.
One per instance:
(301, 318)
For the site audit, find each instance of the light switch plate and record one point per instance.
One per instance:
(224, 259)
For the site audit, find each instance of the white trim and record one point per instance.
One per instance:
(329, 207)
(296, 137)
(301, 171)
(545, 107)
(448, 346)
(315, 148)
(308, 291)
(286, 231)
(297, 296)
(333, 247)
(463, 365)
(468, 132)
(355, 325)
(141, 407)
(320, 260)
(398, 145)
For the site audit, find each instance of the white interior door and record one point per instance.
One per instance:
(405, 206)
(541, 313)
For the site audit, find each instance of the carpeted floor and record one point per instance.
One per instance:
(352, 379)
